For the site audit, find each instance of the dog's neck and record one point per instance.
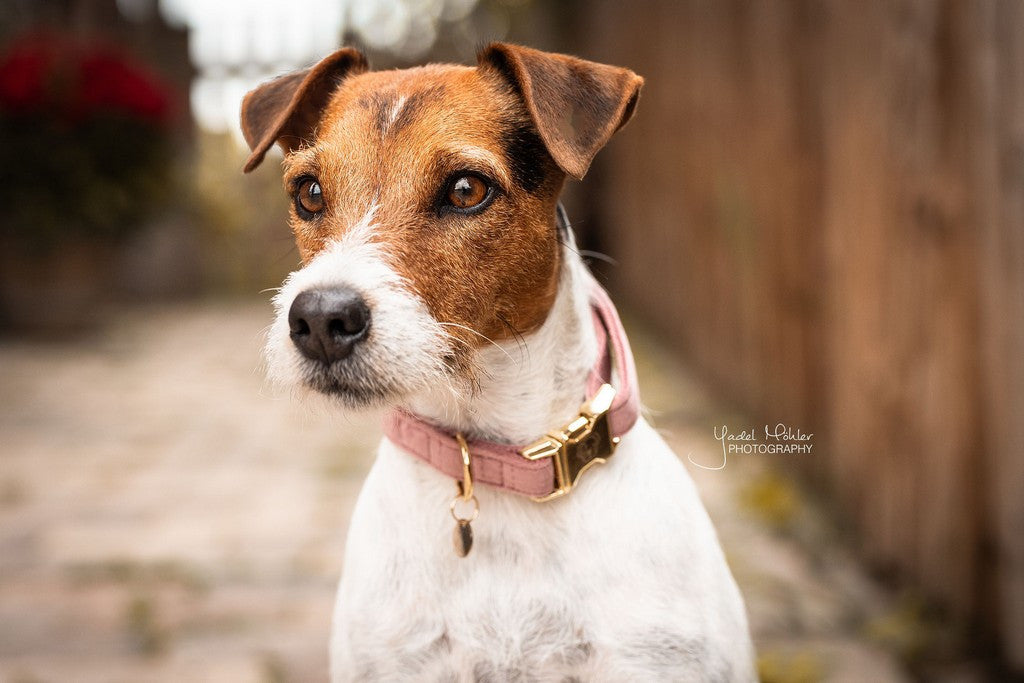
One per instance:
(526, 387)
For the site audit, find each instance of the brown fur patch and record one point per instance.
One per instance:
(494, 272)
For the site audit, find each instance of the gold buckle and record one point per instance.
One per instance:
(579, 445)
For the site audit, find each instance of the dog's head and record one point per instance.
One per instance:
(423, 206)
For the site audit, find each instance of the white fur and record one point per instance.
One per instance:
(622, 580)
(405, 348)
(393, 112)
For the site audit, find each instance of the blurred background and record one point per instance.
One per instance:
(816, 218)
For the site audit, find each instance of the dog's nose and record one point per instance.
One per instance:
(325, 324)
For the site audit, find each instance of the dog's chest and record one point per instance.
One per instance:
(508, 611)
(502, 634)
(604, 587)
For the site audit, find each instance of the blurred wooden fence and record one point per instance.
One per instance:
(823, 204)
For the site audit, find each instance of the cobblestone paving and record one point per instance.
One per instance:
(166, 517)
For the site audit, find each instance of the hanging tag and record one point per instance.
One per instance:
(462, 534)
(462, 537)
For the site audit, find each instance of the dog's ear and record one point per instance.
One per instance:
(287, 109)
(576, 105)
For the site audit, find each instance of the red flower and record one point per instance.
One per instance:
(24, 71)
(73, 82)
(105, 82)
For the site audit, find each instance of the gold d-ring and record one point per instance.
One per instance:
(455, 515)
(466, 485)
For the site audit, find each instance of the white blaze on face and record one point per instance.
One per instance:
(405, 348)
(393, 112)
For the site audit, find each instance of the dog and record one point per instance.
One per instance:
(520, 521)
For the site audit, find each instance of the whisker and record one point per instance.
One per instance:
(598, 255)
(264, 333)
(568, 245)
(461, 341)
(518, 336)
(482, 336)
(587, 253)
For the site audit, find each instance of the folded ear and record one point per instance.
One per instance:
(287, 109)
(576, 105)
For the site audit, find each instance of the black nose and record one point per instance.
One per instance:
(326, 324)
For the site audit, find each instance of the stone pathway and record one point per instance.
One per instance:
(165, 517)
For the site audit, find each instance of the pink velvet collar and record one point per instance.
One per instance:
(503, 465)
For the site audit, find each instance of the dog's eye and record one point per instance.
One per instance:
(468, 193)
(309, 199)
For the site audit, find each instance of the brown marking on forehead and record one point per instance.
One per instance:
(396, 139)
(410, 106)
(378, 104)
(395, 109)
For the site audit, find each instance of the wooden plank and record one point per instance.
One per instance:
(1002, 320)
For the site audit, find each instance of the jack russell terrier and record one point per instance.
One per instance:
(440, 279)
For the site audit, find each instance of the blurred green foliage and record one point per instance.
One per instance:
(98, 180)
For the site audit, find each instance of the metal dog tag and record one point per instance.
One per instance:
(462, 537)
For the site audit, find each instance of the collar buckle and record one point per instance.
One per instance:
(574, 448)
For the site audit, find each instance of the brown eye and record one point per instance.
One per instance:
(468, 192)
(309, 198)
